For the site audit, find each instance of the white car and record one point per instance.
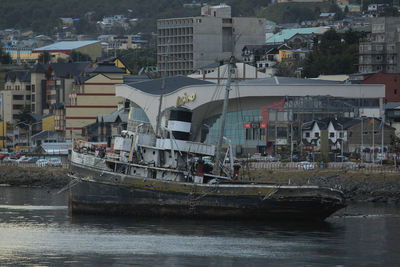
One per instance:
(305, 165)
(55, 162)
(23, 159)
(42, 163)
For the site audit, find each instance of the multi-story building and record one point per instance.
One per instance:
(38, 88)
(93, 95)
(186, 44)
(381, 51)
(16, 94)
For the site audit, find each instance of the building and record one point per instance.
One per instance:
(16, 94)
(217, 73)
(38, 88)
(90, 48)
(186, 44)
(107, 126)
(260, 112)
(93, 95)
(381, 51)
(391, 82)
(262, 56)
(291, 34)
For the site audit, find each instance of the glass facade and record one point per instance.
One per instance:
(235, 128)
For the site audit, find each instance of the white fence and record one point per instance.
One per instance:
(366, 167)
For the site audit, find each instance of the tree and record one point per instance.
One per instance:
(25, 116)
(44, 58)
(334, 54)
(5, 58)
(79, 57)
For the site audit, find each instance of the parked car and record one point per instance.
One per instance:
(54, 162)
(3, 155)
(271, 159)
(305, 165)
(342, 158)
(41, 162)
(23, 159)
(256, 156)
(350, 165)
(10, 160)
(33, 159)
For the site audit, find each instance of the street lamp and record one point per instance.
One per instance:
(341, 146)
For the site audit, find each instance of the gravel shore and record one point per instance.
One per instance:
(34, 177)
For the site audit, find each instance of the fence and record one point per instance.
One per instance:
(64, 165)
(351, 166)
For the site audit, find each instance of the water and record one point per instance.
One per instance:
(35, 229)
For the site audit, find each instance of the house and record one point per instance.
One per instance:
(216, 72)
(107, 126)
(262, 56)
(351, 134)
(286, 34)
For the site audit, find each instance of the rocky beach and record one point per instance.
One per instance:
(357, 186)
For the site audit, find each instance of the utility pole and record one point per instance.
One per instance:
(362, 140)
(291, 142)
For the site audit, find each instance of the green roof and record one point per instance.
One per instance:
(286, 34)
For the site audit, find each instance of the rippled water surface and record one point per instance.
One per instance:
(36, 229)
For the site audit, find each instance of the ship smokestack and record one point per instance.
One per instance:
(180, 121)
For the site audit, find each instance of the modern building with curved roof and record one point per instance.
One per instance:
(255, 105)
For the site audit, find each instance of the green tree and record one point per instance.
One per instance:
(44, 58)
(5, 58)
(79, 57)
(25, 116)
(334, 54)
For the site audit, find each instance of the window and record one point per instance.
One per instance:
(28, 97)
(332, 134)
(316, 134)
(18, 97)
(18, 107)
(33, 98)
(307, 134)
(395, 91)
(33, 88)
(27, 87)
(33, 107)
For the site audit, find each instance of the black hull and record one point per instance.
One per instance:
(116, 194)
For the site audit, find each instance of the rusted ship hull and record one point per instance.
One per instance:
(100, 192)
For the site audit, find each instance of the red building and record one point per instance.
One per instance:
(391, 82)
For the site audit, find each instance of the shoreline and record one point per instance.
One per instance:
(356, 186)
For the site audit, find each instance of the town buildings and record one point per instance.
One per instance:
(186, 44)
(93, 95)
(381, 51)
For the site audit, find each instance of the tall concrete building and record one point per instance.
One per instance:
(380, 52)
(186, 44)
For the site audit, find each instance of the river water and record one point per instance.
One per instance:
(36, 229)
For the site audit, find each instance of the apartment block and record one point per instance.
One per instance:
(93, 95)
(186, 44)
(381, 51)
(16, 94)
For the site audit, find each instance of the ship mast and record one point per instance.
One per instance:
(223, 116)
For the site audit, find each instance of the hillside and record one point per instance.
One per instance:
(42, 16)
(297, 12)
